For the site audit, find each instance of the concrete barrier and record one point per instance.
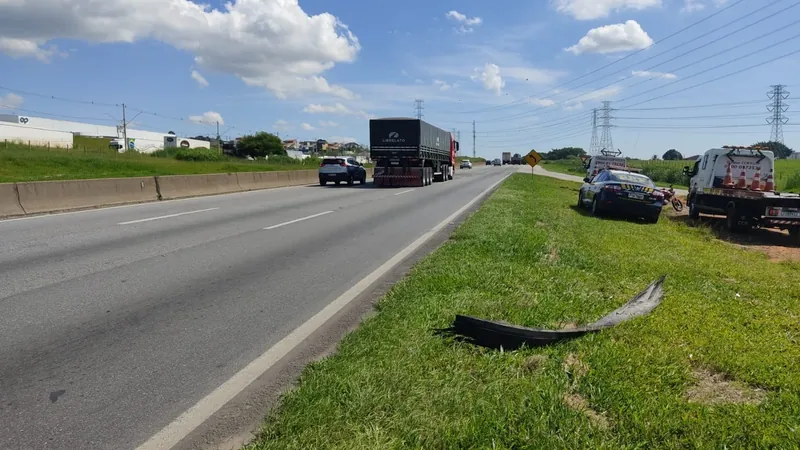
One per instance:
(9, 200)
(250, 181)
(48, 196)
(180, 186)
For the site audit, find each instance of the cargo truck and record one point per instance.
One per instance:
(516, 159)
(410, 152)
(506, 158)
(739, 183)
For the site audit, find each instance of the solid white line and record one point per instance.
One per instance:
(297, 220)
(173, 433)
(149, 219)
(404, 192)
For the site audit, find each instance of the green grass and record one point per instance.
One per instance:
(19, 163)
(528, 257)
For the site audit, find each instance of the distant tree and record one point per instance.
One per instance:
(564, 153)
(780, 150)
(261, 144)
(672, 155)
(654, 158)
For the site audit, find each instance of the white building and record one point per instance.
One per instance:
(59, 133)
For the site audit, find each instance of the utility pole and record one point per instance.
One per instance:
(473, 139)
(777, 108)
(606, 143)
(594, 145)
(418, 107)
(124, 128)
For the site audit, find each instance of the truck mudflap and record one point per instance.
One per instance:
(402, 176)
(494, 334)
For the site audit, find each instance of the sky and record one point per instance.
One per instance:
(683, 74)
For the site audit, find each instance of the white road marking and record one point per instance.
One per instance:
(168, 216)
(192, 418)
(404, 192)
(297, 220)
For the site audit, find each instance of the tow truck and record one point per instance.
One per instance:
(607, 159)
(739, 183)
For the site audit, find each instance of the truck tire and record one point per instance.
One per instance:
(732, 218)
(794, 236)
(694, 214)
(580, 200)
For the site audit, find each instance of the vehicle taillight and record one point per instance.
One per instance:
(612, 187)
(657, 194)
(343, 164)
(322, 164)
(774, 212)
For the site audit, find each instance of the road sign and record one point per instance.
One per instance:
(533, 158)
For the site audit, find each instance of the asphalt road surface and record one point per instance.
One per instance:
(114, 322)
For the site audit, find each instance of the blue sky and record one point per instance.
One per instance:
(526, 73)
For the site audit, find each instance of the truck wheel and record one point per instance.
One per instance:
(694, 214)
(732, 218)
(580, 199)
(794, 235)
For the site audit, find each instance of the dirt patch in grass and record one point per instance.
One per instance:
(552, 256)
(575, 368)
(577, 403)
(715, 388)
(534, 363)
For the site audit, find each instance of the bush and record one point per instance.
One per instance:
(793, 182)
(198, 154)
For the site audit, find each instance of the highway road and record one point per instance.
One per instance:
(115, 322)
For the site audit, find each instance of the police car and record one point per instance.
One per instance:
(621, 191)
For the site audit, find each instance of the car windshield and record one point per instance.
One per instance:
(623, 177)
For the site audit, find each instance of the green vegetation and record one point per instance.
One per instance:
(21, 163)
(199, 154)
(260, 144)
(717, 365)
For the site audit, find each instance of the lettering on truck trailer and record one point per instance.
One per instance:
(394, 138)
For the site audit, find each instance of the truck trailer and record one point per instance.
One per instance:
(410, 152)
(506, 158)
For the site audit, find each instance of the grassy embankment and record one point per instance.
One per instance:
(787, 171)
(716, 365)
(91, 158)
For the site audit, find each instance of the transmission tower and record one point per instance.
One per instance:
(605, 139)
(778, 94)
(594, 145)
(418, 108)
(473, 139)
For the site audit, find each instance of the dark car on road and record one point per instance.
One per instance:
(339, 169)
(621, 191)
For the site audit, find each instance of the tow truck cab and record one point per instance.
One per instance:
(739, 182)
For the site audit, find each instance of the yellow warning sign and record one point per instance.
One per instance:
(533, 158)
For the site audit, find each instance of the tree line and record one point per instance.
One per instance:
(779, 149)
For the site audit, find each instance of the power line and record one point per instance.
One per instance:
(54, 97)
(720, 11)
(594, 144)
(713, 105)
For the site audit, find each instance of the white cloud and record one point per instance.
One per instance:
(200, 79)
(467, 24)
(690, 6)
(599, 9)
(648, 74)
(307, 126)
(281, 125)
(337, 108)
(328, 124)
(443, 86)
(620, 37)
(11, 101)
(272, 44)
(545, 102)
(490, 77)
(209, 117)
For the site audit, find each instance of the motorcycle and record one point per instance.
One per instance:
(669, 196)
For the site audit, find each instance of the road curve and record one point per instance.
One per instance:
(113, 322)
